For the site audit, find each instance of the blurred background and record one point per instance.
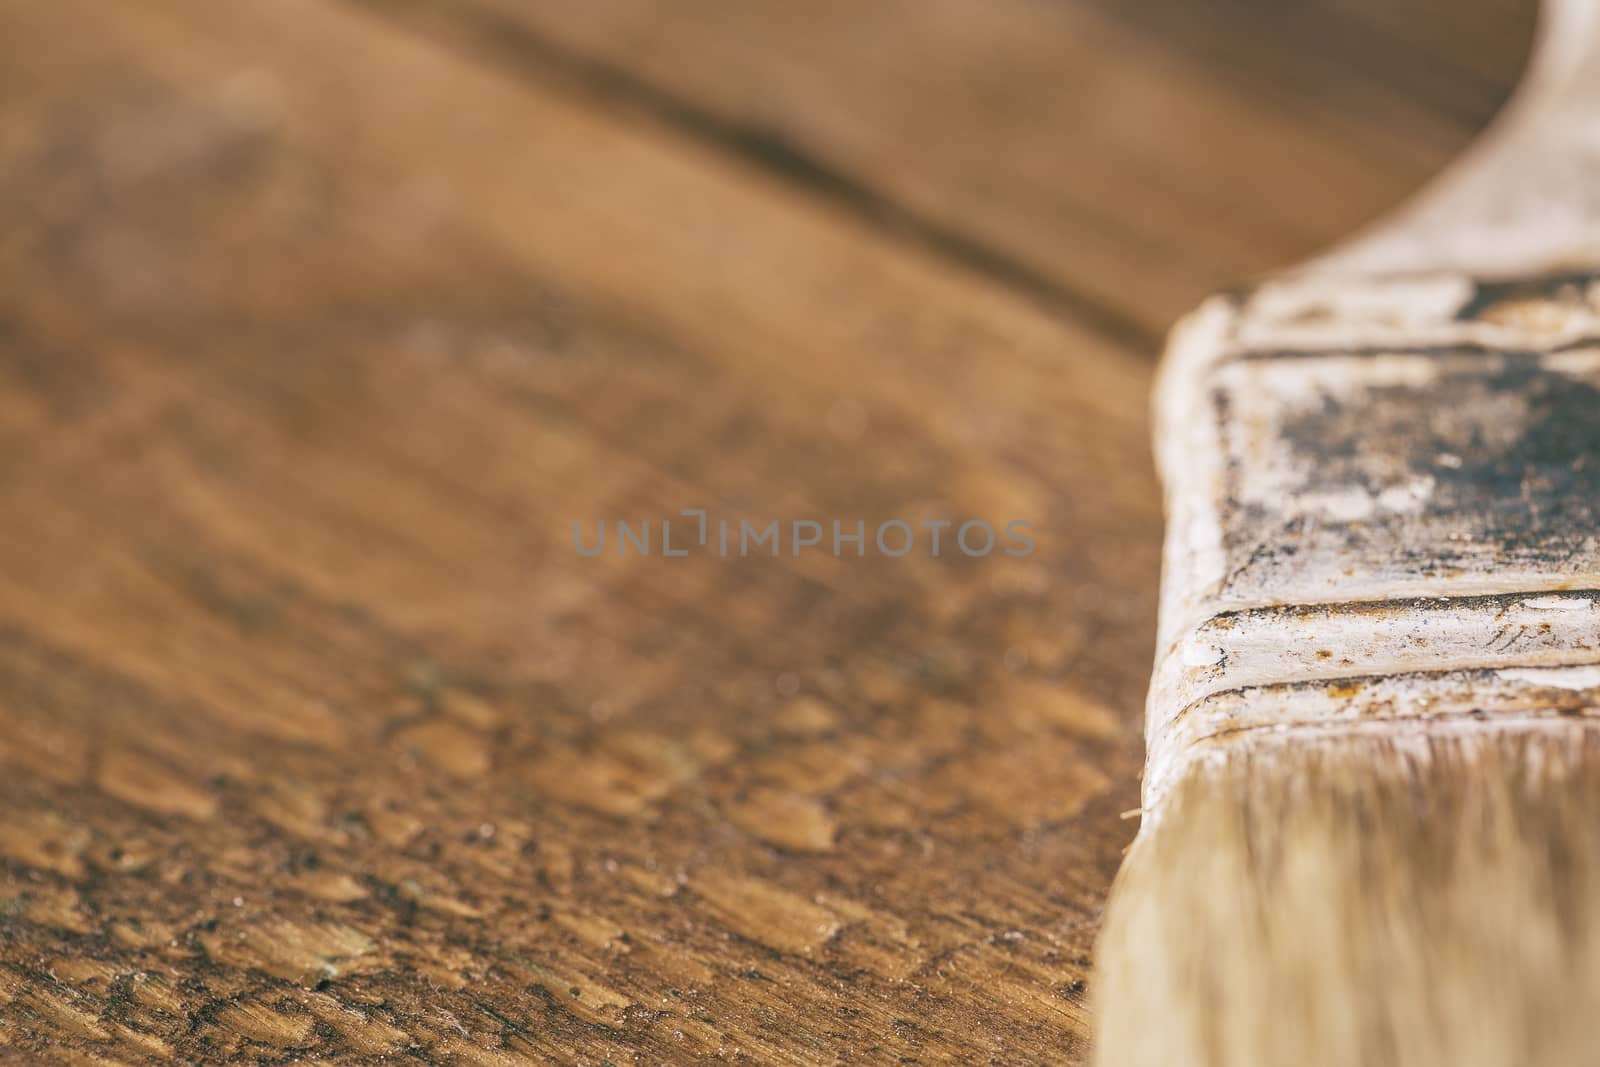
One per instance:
(323, 323)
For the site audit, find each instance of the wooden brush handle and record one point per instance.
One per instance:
(1525, 200)
(1383, 471)
(1368, 831)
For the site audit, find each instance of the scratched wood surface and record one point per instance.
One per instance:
(322, 322)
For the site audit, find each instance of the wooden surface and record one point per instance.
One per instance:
(320, 325)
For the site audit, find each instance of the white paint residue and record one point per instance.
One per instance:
(1577, 362)
(1558, 603)
(1398, 302)
(1355, 504)
(1201, 654)
(1345, 505)
(1407, 498)
(1575, 678)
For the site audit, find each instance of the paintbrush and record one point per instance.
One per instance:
(1371, 814)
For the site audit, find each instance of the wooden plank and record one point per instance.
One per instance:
(1379, 64)
(1120, 157)
(1481, 40)
(317, 738)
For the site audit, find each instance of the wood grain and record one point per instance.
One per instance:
(1120, 159)
(317, 737)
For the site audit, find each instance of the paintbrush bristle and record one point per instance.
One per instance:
(1365, 901)
(1372, 786)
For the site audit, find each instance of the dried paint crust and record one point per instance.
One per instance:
(1377, 489)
